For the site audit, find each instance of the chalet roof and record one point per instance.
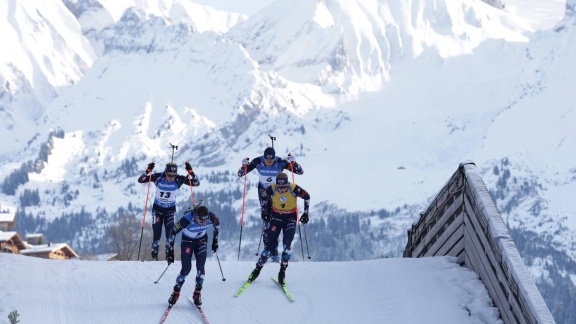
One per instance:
(34, 235)
(7, 217)
(5, 236)
(49, 248)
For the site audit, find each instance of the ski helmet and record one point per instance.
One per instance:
(269, 153)
(282, 179)
(202, 213)
(171, 167)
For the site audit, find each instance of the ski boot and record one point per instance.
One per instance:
(282, 274)
(254, 273)
(174, 297)
(196, 298)
(154, 256)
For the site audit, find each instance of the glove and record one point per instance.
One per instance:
(304, 218)
(214, 245)
(245, 161)
(170, 249)
(189, 169)
(265, 217)
(290, 158)
(170, 257)
(150, 167)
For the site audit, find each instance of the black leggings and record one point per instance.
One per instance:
(199, 249)
(162, 216)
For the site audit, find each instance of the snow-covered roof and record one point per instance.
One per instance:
(34, 235)
(7, 217)
(48, 248)
(5, 236)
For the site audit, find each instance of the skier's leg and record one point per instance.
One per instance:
(169, 221)
(273, 233)
(157, 231)
(265, 225)
(186, 260)
(200, 252)
(289, 230)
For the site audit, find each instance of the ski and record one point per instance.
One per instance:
(166, 314)
(241, 290)
(286, 292)
(200, 310)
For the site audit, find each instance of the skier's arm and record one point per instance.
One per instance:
(292, 167)
(216, 223)
(185, 180)
(182, 224)
(191, 179)
(145, 177)
(300, 192)
(248, 167)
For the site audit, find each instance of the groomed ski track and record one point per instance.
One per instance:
(427, 290)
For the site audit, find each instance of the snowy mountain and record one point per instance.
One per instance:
(430, 290)
(378, 100)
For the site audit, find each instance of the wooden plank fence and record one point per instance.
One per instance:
(463, 221)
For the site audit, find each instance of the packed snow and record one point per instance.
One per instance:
(396, 290)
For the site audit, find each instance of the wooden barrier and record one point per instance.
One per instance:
(463, 221)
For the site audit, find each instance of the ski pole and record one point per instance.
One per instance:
(144, 218)
(306, 238)
(162, 273)
(260, 241)
(217, 258)
(297, 218)
(242, 219)
(300, 232)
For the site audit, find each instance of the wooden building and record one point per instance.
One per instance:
(60, 251)
(11, 242)
(7, 221)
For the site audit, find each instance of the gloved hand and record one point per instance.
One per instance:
(150, 167)
(170, 249)
(265, 217)
(214, 245)
(190, 171)
(245, 161)
(304, 218)
(290, 158)
(170, 257)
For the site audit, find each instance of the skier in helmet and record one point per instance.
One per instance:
(281, 211)
(194, 226)
(269, 166)
(167, 185)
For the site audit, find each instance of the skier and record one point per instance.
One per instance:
(167, 185)
(194, 225)
(281, 211)
(269, 166)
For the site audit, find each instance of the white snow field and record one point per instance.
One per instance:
(395, 290)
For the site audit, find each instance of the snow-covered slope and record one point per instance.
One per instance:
(428, 290)
(378, 100)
